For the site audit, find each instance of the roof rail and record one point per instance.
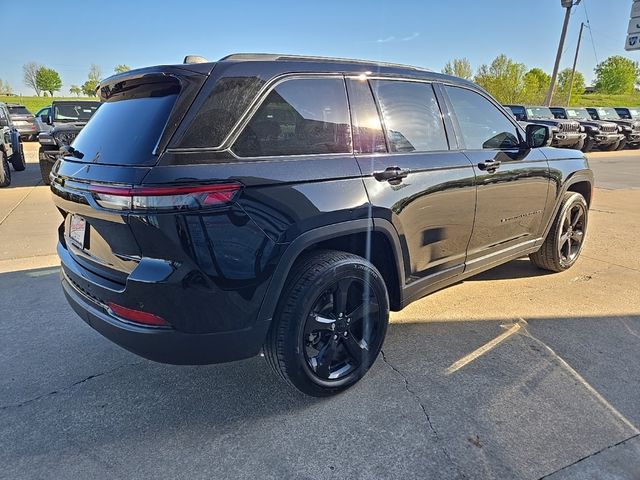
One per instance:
(245, 57)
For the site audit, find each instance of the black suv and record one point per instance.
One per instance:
(602, 134)
(630, 127)
(11, 150)
(212, 210)
(67, 118)
(566, 133)
(628, 113)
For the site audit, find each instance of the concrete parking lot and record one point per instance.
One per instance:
(512, 374)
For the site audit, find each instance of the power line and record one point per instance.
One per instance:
(593, 43)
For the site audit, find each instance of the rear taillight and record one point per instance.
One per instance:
(164, 198)
(137, 316)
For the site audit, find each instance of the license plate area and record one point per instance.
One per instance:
(78, 230)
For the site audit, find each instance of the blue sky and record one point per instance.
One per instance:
(139, 33)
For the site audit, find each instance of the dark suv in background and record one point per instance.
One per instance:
(212, 210)
(566, 133)
(600, 133)
(65, 119)
(630, 127)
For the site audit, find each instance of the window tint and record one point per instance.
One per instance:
(411, 116)
(482, 124)
(220, 111)
(518, 112)
(19, 110)
(368, 136)
(299, 117)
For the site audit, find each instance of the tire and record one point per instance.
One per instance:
(579, 145)
(621, 144)
(5, 179)
(313, 346)
(17, 159)
(611, 147)
(565, 240)
(634, 146)
(588, 145)
(45, 166)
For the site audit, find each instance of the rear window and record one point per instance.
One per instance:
(19, 110)
(128, 125)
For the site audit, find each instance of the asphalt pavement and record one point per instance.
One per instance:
(512, 374)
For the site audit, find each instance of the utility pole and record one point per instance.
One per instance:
(575, 61)
(568, 4)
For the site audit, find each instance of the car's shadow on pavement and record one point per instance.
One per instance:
(519, 268)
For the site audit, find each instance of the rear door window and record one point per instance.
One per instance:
(368, 136)
(299, 117)
(411, 116)
(482, 124)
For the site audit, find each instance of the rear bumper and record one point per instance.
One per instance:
(165, 345)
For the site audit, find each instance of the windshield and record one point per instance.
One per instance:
(127, 127)
(578, 114)
(74, 112)
(19, 110)
(635, 113)
(540, 112)
(608, 114)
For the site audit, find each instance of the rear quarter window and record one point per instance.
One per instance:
(299, 117)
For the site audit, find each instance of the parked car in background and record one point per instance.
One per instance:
(277, 203)
(66, 118)
(628, 113)
(566, 133)
(11, 146)
(630, 127)
(23, 120)
(602, 134)
(40, 114)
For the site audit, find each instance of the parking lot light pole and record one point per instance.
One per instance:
(575, 61)
(568, 4)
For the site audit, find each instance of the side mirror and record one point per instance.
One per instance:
(46, 119)
(538, 135)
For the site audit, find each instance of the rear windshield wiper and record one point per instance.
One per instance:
(69, 150)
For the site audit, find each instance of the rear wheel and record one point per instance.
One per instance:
(5, 178)
(564, 241)
(330, 323)
(17, 159)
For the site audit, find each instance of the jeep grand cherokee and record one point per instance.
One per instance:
(287, 204)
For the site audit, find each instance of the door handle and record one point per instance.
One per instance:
(390, 174)
(489, 165)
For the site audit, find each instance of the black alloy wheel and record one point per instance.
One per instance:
(340, 329)
(330, 322)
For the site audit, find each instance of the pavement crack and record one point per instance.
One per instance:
(62, 390)
(412, 392)
(590, 455)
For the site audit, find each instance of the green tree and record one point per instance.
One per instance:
(75, 90)
(89, 87)
(617, 75)
(504, 79)
(121, 68)
(536, 84)
(48, 80)
(561, 93)
(459, 67)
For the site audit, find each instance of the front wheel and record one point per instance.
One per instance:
(5, 174)
(588, 145)
(17, 159)
(621, 144)
(564, 241)
(330, 323)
